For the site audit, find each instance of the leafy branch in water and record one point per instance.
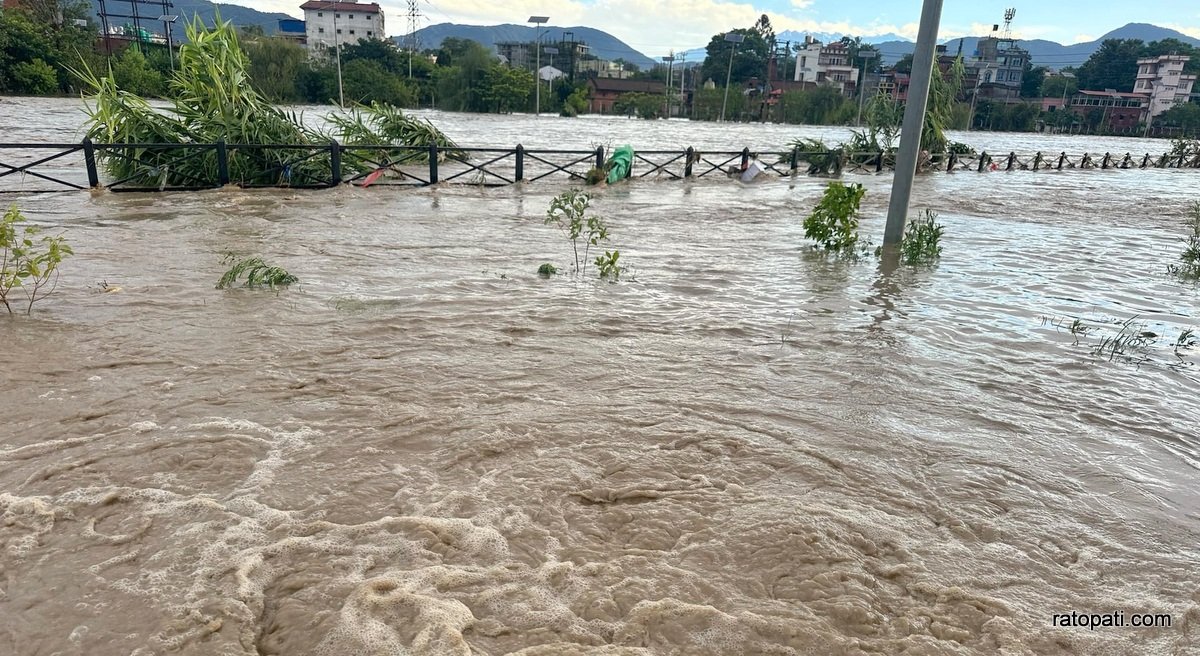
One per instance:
(833, 223)
(921, 242)
(257, 274)
(1189, 261)
(568, 211)
(27, 262)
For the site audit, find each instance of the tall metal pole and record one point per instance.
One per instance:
(337, 51)
(862, 87)
(914, 120)
(537, 72)
(735, 39)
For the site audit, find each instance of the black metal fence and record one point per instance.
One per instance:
(29, 168)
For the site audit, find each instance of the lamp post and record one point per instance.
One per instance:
(670, 59)
(549, 82)
(169, 25)
(337, 50)
(537, 70)
(974, 95)
(862, 86)
(735, 39)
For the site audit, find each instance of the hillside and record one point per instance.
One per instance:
(1049, 53)
(186, 9)
(600, 43)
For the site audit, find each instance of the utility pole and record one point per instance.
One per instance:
(862, 86)
(414, 15)
(670, 59)
(914, 121)
(735, 39)
(537, 69)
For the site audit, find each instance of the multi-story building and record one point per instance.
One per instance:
(1161, 79)
(565, 55)
(1113, 111)
(997, 69)
(826, 64)
(340, 23)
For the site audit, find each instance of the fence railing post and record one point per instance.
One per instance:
(1037, 160)
(1012, 159)
(222, 163)
(89, 160)
(1181, 158)
(982, 160)
(1104, 162)
(335, 163)
(879, 163)
(690, 153)
(795, 163)
(1061, 159)
(1125, 161)
(1146, 161)
(433, 164)
(519, 174)
(745, 158)
(950, 163)
(600, 157)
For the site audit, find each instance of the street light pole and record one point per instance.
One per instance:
(537, 69)
(337, 52)
(169, 23)
(975, 94)
(735, 39)
(670, 59)
(862, 87)
(914, 120)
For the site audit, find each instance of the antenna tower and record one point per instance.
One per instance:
(414, 16)
(1008, 16)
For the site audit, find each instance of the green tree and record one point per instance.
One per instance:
(133, 73)
(823, 105)
(1185, 116)
(506, 89)
(749, 59)
(905, 64)
(1031, 81)
(366, 81)
(277, 68)
(1057, 86)
(1113, 66)
(854, 46)
(34, 77)
(642, 105)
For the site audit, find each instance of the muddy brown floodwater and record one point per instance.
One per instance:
(742, 448)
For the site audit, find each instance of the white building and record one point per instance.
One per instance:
(826, 64)
(327, 23)
(1162, 79)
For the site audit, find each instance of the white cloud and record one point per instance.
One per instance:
(1083, 38)
(801, 4)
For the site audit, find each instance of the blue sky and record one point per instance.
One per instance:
(658, 26)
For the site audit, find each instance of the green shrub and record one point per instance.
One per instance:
(921, 242)
(568, 211)
(27, 262)
(833, 223)
(1189, 260)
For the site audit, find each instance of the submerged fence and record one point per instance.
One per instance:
(26, 168)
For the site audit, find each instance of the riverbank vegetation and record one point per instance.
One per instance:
(833, 223)
(28, 263)
(1188, 266)
(40, 42)
(213, 100)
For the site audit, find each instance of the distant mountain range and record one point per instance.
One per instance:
(1045, 53)
(600, 43)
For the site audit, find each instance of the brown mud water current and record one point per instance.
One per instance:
(741, 448)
